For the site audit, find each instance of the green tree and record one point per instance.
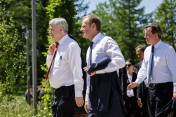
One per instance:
(20, 11)
(165, 16)
(123, 20)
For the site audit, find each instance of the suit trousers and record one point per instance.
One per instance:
(158, 96)
(64, 102)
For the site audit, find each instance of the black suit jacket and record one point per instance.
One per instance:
(124, 82)
(141, 89)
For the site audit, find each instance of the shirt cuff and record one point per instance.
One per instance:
(87, 94)
(100, 72)
(138, 81)
(78, 94)
(174, 90)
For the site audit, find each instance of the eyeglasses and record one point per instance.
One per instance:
(128, 65)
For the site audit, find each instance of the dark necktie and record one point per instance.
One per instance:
(55, 50)
(90, 55)
(150, 66)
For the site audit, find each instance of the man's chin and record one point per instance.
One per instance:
(54, 39)
(84, 36)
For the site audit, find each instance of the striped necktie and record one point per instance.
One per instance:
(55, 50)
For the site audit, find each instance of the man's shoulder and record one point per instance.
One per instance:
(140, 63)
(72, 43)
(106, 37)
(166, 45)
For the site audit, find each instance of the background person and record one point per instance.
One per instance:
(131, 100)
(40, 92)
(30, 93)
(141, 89)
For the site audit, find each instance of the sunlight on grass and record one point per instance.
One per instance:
(17, 107)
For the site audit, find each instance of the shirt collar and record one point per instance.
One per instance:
(158, 44)
(61, 41)
(96, 37)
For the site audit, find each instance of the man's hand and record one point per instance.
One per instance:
(139, 102)
(86, 106)
(51, 48)
(93, 73)
(79, 101)
(85, 69)
(132, 85)
(174, 95)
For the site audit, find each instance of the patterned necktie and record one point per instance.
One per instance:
(55, 50)
(150, 66)
(90, 55)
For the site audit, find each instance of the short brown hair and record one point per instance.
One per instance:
(94, 19)
(155, 29)
(141, 47)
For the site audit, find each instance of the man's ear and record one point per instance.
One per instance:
(61, 28)
(93, 25)
(156, 35)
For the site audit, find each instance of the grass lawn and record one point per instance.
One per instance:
(17, 107)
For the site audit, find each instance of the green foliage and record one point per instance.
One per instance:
(48, 97)
(165, 16)
(63, 8)
(20, 11)
(12, 57)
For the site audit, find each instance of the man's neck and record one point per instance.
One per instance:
(155, 42)
(94, 34)
(61, 37)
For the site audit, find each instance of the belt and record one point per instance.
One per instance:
(158, 84)
(153, 84)
(64, 87)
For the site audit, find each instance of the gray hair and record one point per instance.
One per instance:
(58, 22)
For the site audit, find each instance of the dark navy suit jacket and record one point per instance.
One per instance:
(105, 94)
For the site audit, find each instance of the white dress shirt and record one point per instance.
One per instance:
(104, 47)
(164, 64)
(67, 69)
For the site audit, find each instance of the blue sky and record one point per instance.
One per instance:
(150, 5)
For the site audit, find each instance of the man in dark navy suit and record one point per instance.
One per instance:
(141, 89)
